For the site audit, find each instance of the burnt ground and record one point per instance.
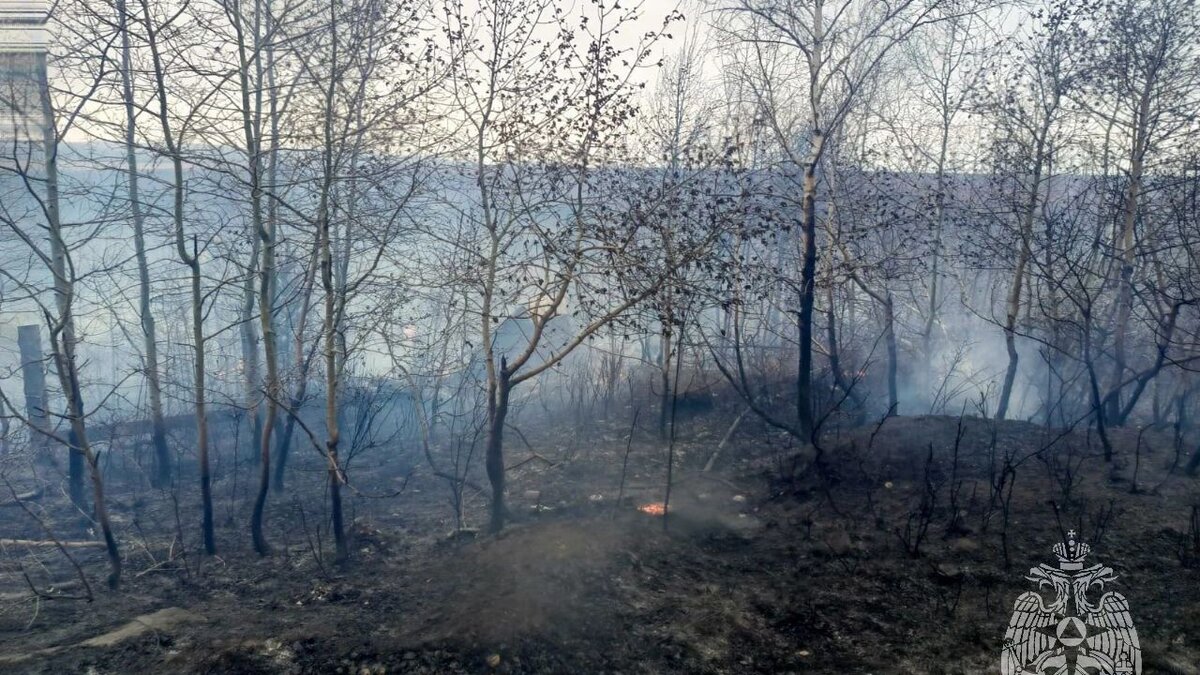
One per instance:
(770, 563)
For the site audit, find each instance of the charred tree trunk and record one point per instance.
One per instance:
(303, 361)
(336, 478)
(192, 261)
(808, 272)
(33, 376)
(1010, 372)
(1012, 311)
(62, 327)
(334, 307)
(283, 443)
(671, 445)
(498, 394)
(1162, 347)
(63, 339)
(1016, 290)
(162, 456)
(331, 380)
(199, 376)
(664, 369)
(889, 336)
(1098, 408)
(251, 112)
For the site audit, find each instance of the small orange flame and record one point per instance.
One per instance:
(654, 508)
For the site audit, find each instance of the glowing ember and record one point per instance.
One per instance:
(654, 509)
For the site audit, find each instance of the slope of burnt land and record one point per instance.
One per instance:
(897, 553)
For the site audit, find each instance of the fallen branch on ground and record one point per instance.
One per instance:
(42, 543)
(530, 459)
(23, 497)
(725, 441)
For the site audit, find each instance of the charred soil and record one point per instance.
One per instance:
(894, 553)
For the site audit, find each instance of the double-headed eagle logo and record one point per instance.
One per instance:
(1070, 625)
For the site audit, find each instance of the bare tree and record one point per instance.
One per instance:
(1030, 107)
(533, 174)
(37, 171)
(172, 142)
(1145, 89)
(162, 456)
(840, 46)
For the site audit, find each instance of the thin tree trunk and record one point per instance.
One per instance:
(889, 328)
(664, 370)
(671, 442)
(63, 340)
(1054, 355)
(935, 273)
(1162, 347)
(331, 377)
(887, 304)
(251, 112)
(33, 379)
(1015, 293)
(835, 352)
(303, 361)
(250, 361)
(303, 368)
(334, 302)
(498, 394)
(162, 456)
(199, 375)
(1125, 285)
(249, 339)
(65, 326)
(192, 261)
(1094, 388)
(804, 393)
(808, 226)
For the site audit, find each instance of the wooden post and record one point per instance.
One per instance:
(29, 339)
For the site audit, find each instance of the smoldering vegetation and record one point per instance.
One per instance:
(538, 336)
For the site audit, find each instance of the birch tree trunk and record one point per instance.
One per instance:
(808, 271)
(334, 304)
(1024, 251)
(1127, 249)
